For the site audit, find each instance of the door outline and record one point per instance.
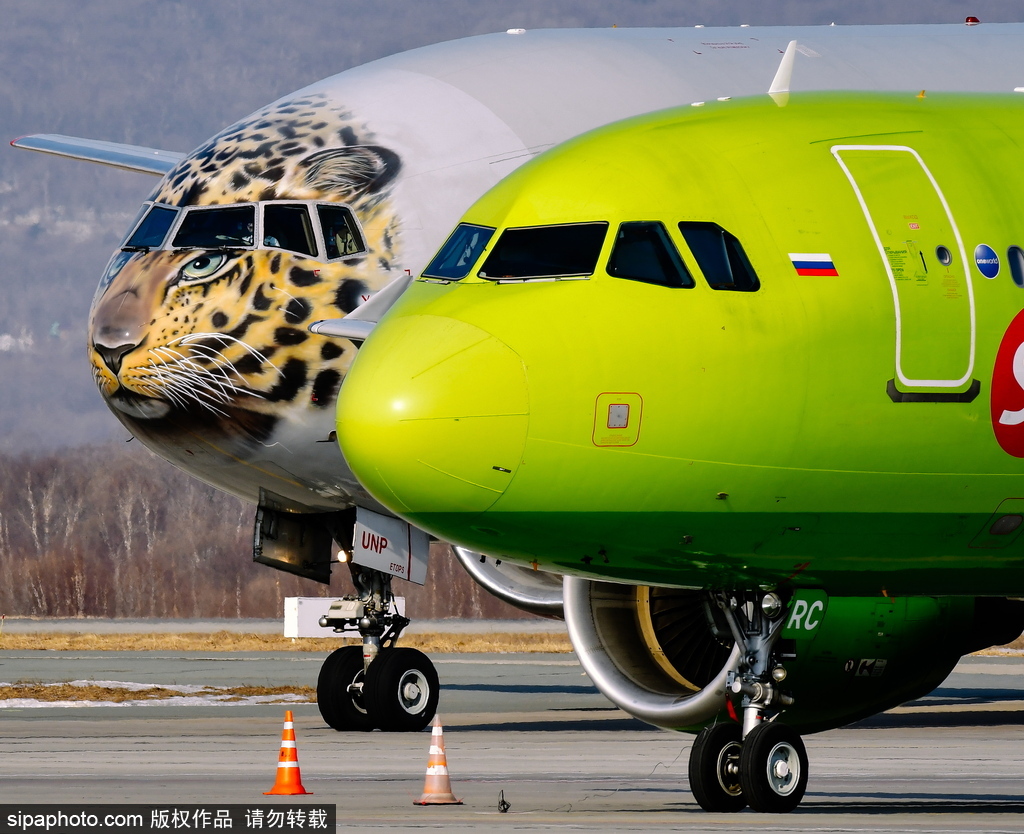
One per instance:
(931, 383)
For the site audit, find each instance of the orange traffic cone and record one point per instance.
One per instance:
(437, 788)
(289, 780)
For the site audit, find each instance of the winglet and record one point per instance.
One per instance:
(779, 89)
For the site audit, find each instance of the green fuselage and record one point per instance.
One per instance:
(850, 431)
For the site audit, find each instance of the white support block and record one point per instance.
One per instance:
(302, 615)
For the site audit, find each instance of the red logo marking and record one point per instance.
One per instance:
(1008, 390)
(371, 541)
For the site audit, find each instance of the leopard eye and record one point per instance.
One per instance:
(202, 267)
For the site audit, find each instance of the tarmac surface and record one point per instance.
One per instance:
(531, 726)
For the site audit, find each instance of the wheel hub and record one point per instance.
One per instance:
(783, 769)
(729, 769)
(413, 691)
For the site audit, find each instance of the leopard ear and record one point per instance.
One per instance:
(351, 172)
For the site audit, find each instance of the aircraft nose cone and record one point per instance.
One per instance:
(433, 416)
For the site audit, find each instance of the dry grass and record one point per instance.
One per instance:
(90, 692)
(224, 641)
(1013, 648)
(227, 641)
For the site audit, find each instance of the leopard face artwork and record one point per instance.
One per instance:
(199, 323)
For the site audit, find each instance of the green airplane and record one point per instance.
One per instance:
(750, 375)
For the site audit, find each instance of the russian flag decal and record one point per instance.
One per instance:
(813, 263)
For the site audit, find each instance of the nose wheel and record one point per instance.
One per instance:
(398, 693)
(402, 690)
(773, 768)
(339, 691)
(715, 769)
(767, 770)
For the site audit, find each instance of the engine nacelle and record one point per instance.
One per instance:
(663, 654)
(538, 592)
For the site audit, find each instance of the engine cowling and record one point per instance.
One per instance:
(537, 591)
(663, 654)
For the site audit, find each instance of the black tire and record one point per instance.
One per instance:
(773, 768)
(341, 709)
(714, 768)
(401, 690)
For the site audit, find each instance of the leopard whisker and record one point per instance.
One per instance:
(222, 362)
(204, 378)
(189, 386)
(197, 387)
(207, 378)
(188, 340)
(183, 395)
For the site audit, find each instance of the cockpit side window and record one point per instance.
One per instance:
(720, 257)
(153, 229)
(341, 236)
(459, 252)
(567, 251)
(288, 227)
(216, 228)
(644, 252)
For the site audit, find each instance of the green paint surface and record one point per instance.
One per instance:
(769, 449)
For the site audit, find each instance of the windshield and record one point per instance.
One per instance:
(216, 228)
(546, 252)
(340, 233)
(288, 227)
(644, 252)
(315, 230)
(459, 252)
(151, 232)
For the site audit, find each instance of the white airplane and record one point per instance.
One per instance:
(225, 323)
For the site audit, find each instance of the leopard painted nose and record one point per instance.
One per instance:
(113, 356)
(433, 416)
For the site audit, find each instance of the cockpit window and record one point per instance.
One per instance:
(153, 229)
(341, 235)
(216, 228)
(459, 252)
(720, 257)
(309, 228)
(568, 251)
(644, 252)
(288, 227)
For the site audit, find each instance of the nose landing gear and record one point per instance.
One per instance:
(376, 685)
(762, 763)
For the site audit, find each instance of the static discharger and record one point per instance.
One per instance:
(289, 780)
(437, 787)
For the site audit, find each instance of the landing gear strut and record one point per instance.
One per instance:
(376, 685)
(761, 763)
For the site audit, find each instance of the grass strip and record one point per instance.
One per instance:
(227, 641)
(54, 692)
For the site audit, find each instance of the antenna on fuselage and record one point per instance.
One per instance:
(779, 90)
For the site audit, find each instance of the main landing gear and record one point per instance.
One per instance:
(376, 685)
(761, 762)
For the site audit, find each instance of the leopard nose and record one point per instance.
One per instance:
(113, 356)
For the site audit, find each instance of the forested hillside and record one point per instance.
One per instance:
(112, 531)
